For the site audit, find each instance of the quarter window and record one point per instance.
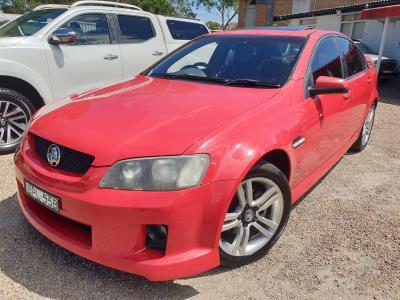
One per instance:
(91, 29)
(355, 63)
(326, 60)
(181, 30)
(135, 29)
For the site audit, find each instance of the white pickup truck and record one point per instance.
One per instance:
(58, 50)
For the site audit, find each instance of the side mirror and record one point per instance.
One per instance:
(63, 36)
(328, 85)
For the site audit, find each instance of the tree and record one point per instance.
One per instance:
(162, 7)
(227, 9)
(213, 25)
(183, 9)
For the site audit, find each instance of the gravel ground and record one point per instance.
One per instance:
(342, 240)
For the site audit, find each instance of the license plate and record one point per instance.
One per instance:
(46, 199)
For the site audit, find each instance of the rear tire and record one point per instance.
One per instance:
(260, 221)
(15, 113)
(366, 131)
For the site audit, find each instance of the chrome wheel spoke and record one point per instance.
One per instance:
(1, 134)
(230, 225)
(21, 126)
(242, 197)
(262, 230)
(249, 191)
(271, 224)
(244, 241)
(237, 241)
(264, 197)
(270, 202)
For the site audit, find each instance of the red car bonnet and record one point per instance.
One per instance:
(145, 117)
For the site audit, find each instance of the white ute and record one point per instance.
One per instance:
(58, 50)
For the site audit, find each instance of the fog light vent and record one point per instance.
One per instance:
(156, 237)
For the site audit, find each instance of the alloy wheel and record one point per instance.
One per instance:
(253, 217)
(13, 123)
(367, 127)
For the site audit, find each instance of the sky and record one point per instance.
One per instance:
(206, 16)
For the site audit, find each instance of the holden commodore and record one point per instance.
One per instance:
(195, 163)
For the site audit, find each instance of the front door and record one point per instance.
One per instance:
(93, 61)
(322, 127)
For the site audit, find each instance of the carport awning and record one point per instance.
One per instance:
(381, 12)
(385, 13)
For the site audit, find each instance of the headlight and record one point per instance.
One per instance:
(157, 173)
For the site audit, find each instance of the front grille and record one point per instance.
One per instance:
(72, 161)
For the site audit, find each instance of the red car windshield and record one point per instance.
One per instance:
(234, 60)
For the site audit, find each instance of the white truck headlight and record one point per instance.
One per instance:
(157, 173)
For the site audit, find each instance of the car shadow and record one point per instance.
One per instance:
(42, 267)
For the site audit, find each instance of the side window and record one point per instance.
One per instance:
(135, 29)
(181, 30)
(355, 62)
(91, 29)
(326, 60)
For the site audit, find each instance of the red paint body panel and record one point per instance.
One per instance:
(155, 117)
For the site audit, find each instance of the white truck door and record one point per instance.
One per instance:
(141, 41)
(93, 61)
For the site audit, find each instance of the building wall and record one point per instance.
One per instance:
(373, 31)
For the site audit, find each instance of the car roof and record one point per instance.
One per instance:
(278, 31)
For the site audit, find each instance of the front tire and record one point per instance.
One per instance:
(15, 112)
(256, 216)
(366, 131)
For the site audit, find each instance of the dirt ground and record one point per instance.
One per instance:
(342, 241)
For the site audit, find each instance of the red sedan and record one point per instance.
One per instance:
(196, 162)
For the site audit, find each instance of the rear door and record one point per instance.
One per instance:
(141, 42)
(359, 81)
(93, 61)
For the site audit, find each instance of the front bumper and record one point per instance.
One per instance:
(109, 226)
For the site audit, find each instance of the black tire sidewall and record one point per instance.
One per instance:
(271, 172)
(22, 102)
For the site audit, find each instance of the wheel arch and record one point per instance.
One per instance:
(280, 159)
(23, 87)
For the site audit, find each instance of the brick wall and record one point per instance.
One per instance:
(242, 12)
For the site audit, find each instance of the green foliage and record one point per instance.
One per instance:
(227, 9)
(162, 7)
(213, 25)
(183, 9)
(23, 6)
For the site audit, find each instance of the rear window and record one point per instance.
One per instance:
(181, 30)
(135, 29)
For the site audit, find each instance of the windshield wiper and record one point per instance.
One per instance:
(251, 82)
(191, 78)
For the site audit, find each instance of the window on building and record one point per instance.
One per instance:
(326, 60)
(353, 26)
(135, 29)
(308, 22)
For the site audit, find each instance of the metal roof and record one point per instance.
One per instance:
(333, 10)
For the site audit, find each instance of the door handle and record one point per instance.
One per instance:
(347, 96)
(110, 57)
(158, 53)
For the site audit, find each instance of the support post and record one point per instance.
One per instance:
(383, 41)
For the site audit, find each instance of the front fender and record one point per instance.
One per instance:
(23, 72)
